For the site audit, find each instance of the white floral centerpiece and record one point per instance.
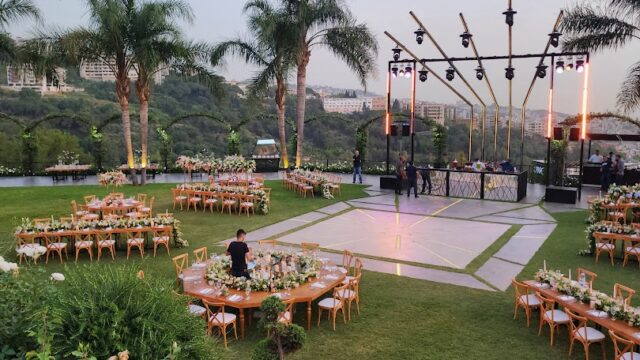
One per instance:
(112, 179)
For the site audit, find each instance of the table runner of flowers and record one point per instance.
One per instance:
(605, 227)
(263, 198)
(615, 308)
(323, 183)
(615, 195)
(208, 164)
(275, 270)
(27, 227)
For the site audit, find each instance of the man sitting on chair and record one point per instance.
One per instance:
(240, 254)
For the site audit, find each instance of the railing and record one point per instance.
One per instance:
(478, 185)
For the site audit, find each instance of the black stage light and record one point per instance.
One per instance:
(541, 71)
(568, 66)
(508, 73)
(479, 73)
(394, 71)
(560, 66)
(555, 38)
(396, 53)
(423, 75)
(407, 71)
(579, 65)
(509, 16)
(419, 35)
(465, 39)
(450, 74)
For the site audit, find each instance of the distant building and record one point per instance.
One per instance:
(351, 105)
(103, 71)
(19, 78)
(536, 127)
(435, 112)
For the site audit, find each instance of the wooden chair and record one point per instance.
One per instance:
(271, 243)
(582, 333)
(306, 189)
(161, 236)
(286, 317)
(165, 215)
(89, 199)
(147, 210)
(309, 247)
(201, 254)
(76, 211)
(334, 186)
(524, 300)
(55, 245)
(631, 250)
(623, 347)
(142, 198)
(193, 198)
(209, 200)
(41, 221)
(180, 263)
(604, 244)
(104, 240)
(228, 201)
(623, 292)
(332, 305)
(590, 276)
(357, 271)
(219, 319)
(178, 196)
(617, 213)
(351, 294)
(347, 259)
(109, 213)
(84, 241)
(116, 195)
(23, 243)
(66, 219)
(247, 203)
(135, 239)
(550, 315)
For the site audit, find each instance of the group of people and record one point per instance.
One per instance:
(407, 173)
(611, 169)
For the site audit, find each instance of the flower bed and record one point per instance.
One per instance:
(208, 164)
(275, 270)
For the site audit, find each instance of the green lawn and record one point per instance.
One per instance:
(401, 318)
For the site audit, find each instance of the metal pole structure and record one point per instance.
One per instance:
(434, 74)
(387, 117)
(453, 66)
(486, 79)
(412, 128)
(583, 125)
(550, 123)
(533, 81)
(506, 57)
(509, 119)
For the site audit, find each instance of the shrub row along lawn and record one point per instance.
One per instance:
(401, 318)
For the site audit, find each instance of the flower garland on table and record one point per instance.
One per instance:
(275, 270)
(113, 178)
(324, 185)
(604, 227)
(598, 300)
(208, 163)
(616, 195)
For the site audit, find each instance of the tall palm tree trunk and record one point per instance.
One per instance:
(280, 112)
(122, 91)
(301, 104)
(143, 92)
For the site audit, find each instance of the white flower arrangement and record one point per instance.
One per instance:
(56, 277)
(33, 251)
(6, 266)
(113, 178)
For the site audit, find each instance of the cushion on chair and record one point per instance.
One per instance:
(247, 204)
(559, 316)
(229, 202)
(136, 241)
(347, 279)
(605, 246)
(195, 199)
(161, 239)
(285, 317)
(84, 244)
(532, 300)
(632, 250)
(211, 201)
(180, 198)
(145, 209)
(90, 216)
(591, 334)
(196, 310)
(57, 245)
(630, 356)
(105, 243)
(329, 303)
(228, 318)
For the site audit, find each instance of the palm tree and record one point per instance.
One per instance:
(12, 10)
(272, 52)
(157, 46)
(328, 24)
(610, 26)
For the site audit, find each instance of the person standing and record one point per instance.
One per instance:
(478, 165)
(240, 254)
(619, 170)
(605, 174)
(357, 166)
(400, 174)
(426, 178)
(412, 179)
(596, 158)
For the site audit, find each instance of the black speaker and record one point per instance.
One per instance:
(574, 134)
(557, 133)
(406, 130)
(394, 130)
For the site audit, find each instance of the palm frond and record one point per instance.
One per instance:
(11, 10)
(7, 47)
(632, 6)
(251, 53)
(263, 80)
(629, 94)
(356, 46)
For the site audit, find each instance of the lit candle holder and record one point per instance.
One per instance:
(569, 274)
(545, 265)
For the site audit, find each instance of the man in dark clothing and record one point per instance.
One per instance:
(400, 175)
(605, 176)
(426, 179)
(240, 254)
(619, 170)
(357, 166)
(412, 179)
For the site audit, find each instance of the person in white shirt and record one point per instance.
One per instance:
(478, 165)
(596, 158)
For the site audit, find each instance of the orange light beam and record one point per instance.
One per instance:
(585, 95)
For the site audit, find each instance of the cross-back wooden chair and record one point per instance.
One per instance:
(606, 244)
(66, 219)
(623, 292)
(194, 198)
(89, 199)
(84, 241)
(332, 305)
(551, 316)
(135, 239)
(616, 212)
(142, 198)
(623, 347)
(180, 263)
(104, 240)
(631, 249)
(584, 334)
(357, 271)
(178, 197)
(309, 247)
(210, 200)
(247, 204)
(148, 210)
(270, 242)
(201, 254)
(218, 319)
(590, 276)
(524, 299)
(229, 201)
(76, 211)
(23, 243)
(286, 317)
(41, 221)
(352, 294)
(347, 260)
(161, 236)
(109, 213)
(116, 195)
(54, 244)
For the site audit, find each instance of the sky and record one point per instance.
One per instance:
(218, 20)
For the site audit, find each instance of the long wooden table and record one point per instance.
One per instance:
(618, 326)
(196, 285)
(614, 237)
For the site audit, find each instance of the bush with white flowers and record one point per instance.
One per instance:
(33, 251)
(6, 266)
(57, 277)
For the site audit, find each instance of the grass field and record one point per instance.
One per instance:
(401, 318)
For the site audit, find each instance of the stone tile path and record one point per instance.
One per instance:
(499, 272)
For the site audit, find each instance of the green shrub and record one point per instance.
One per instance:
(265, 350)
(282, 338)
(108, 309)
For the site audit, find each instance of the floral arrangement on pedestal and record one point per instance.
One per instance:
(112, 179)
(238, 164)
(274, 270)
(597, 300)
